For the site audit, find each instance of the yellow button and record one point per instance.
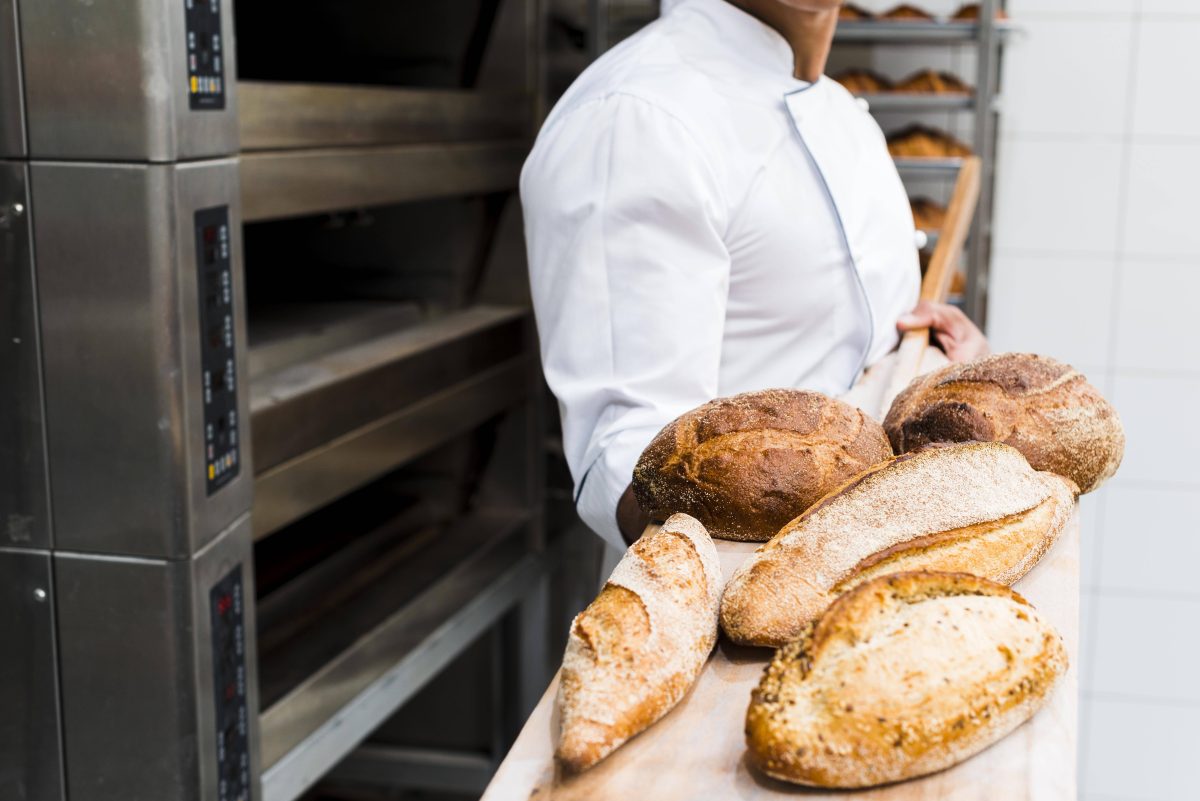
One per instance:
(195, 84)
(211, 472)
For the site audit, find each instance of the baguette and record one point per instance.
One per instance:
(1043, 408)
(745, 465)
(639, 647)
(976, 508)
(908, 674)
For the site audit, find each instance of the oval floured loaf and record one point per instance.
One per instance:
(976, 508)
(908, 674)
(639, 647)
(745, 465)
(1043, 408)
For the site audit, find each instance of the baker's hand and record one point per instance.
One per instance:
(951, 329)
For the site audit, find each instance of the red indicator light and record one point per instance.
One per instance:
(223, 603)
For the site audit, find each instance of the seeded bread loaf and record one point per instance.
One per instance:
(1043, 408)
(745, 465)
(639, 647)
(973, 508)
(908, 674)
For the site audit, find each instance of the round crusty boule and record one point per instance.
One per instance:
(746, 465)
(1043, 408)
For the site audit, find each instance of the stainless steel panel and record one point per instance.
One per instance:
(299, 182)
(109, 80)
(24, 487)
(304, 406)
(30, 746)
(297, 487)
(274, 116)
(118, 287)
(137, 671)
(12, 100)
(311, 729)
(296, 332)
(390, 766)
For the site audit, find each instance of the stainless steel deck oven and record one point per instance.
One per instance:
(125, 480)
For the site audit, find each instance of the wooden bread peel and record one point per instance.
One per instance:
(935, 287)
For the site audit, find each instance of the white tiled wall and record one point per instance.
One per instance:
(1097, 262)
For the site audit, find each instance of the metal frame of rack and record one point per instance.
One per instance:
(987, 35)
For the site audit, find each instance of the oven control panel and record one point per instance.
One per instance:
(205, 55)
(217, 360)
(229, 685)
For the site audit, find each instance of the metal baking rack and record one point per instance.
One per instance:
(348, 395)
(916, 102)
(987, 36)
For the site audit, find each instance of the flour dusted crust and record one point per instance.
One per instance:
(977, 508)
(908, 674)
(639, 647)
(745, 465)
(1041, 407)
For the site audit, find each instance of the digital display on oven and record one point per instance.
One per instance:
(217, 359)
(205, 55)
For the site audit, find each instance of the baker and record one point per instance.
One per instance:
(705, 215)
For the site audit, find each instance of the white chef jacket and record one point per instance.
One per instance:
(700, 223)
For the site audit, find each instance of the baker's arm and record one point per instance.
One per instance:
(624, 221)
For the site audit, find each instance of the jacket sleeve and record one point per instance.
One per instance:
(624, 223)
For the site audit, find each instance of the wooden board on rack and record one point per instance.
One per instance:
(697, 751)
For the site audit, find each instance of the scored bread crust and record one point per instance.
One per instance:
(976, 507)
(1041, 407)
(745, 465)
(908, 674)
(638, 648)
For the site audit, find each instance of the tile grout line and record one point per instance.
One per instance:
(1100, 530)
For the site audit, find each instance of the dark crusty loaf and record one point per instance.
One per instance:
(906, 675)
(639, 647)
(1043, 408)
(973, 508)
(745, 465)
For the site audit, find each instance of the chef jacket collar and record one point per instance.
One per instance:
(754, 42)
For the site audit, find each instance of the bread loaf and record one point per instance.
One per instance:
(906, 675)
(639, 647)
(1043, 408)
(924, 142)
(907, 11)
(863, 81)
(743, 466)
(976, 508)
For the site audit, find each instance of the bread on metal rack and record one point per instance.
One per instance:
(923, 142)
(745, 465)
(932, 82)
(973, 508)
(639, 647)
(850, 11)
(907, 12)
(863, 81)
(1041, 407)
(908, 674)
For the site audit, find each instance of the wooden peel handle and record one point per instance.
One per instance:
(935, 287)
